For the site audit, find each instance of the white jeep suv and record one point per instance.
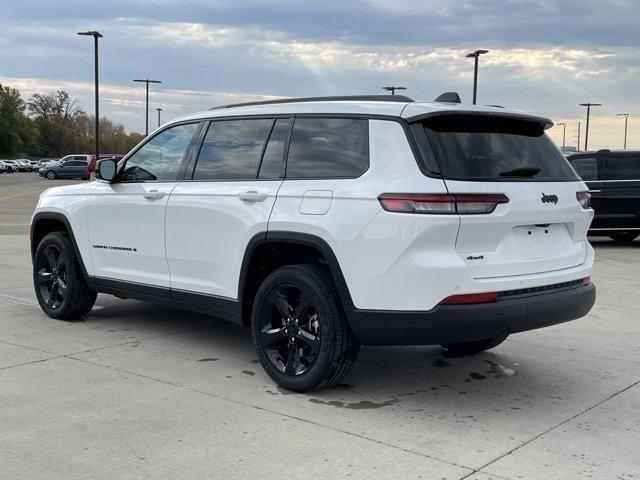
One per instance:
(328, 223)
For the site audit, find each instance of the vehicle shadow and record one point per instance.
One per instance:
(602, 242)
(514, 376)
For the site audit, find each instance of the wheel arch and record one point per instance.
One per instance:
(47, 222)
(267, 251)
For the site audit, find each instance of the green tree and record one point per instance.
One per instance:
(17, 133)
(58, 119)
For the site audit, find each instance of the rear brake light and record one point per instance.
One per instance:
(442, 203)
(471, 298)
(586, 280)
(585, 199)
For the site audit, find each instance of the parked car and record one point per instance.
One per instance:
(68, 169)
(43, 162)
(18, 167)
(77, 156)
(8, 167)
(613, 177)
(25, 165)
(92, 162)
(327, 223)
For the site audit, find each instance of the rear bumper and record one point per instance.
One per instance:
(461, 323)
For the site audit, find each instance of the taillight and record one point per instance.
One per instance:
(442, 203)
(585, 199)
(586, 280)
(471, 298)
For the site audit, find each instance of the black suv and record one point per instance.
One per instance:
(614, 178)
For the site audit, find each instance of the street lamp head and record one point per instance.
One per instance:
(146, 80)
(561, 123)
(91, 33)
(622, 114)
(590, 104)
(477, 53)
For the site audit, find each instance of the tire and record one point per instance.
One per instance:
(477, 346)
(624, 237)
(59, 284)
(315, 348)
(50, 175)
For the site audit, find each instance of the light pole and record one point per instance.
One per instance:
(626, 119)
(146, 121)
(564, 133)
(96, 35)
(393, 89)
(475, 56)
(159, 110)
(586, 129)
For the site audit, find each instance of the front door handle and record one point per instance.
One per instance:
(153, 194)
(252, 196)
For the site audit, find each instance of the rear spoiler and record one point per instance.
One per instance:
(545, 122)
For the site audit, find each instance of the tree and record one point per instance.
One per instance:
(17, 132)
(56, 116)
(113, 137)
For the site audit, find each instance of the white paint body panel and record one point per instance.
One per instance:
(73, 202)
(120, 217)
(208, 229)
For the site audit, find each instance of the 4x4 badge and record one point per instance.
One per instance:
(549, 198)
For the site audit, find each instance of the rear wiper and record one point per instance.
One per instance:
(521, 172)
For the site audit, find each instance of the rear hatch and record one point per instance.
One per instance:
(543, 226)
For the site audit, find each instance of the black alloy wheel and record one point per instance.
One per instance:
(60, 286)
(290, 330)
(299, 331)
(52, 276)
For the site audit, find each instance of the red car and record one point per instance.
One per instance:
(91, 166)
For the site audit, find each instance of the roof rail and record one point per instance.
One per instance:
(360, 98)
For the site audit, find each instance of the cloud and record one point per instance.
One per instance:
(545, 57)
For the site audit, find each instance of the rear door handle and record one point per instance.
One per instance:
(153, 194)
(252, 196)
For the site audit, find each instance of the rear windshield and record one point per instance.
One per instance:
(486, 148)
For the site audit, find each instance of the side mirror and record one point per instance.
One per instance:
(106, 169)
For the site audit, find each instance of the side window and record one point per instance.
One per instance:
(160, 157)
(328, 148)
(73, 163)
(80, 157)
(271, 166)
(625, 167)
(232, 149)
(586, 167)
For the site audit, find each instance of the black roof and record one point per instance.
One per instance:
(355, 98)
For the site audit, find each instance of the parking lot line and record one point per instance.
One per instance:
(19, 194)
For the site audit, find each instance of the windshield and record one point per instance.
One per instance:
(489, 148)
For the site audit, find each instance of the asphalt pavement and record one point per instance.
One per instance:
(140, 391)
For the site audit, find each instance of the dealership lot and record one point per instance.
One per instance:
(141, 391)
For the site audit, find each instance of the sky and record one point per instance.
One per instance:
(545, 56)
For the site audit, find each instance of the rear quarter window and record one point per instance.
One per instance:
(489, 148)
(586, 168)
(623, 167)
(328, 148)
